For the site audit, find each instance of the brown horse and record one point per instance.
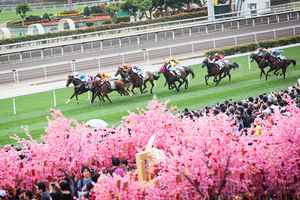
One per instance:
(103, 88)
(132, 78)
(261, 62)
(277, 64)
(181, 77)
(213, 70)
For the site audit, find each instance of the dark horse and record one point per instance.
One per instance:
(79, 87)
(277, 64)
(214, 70)
(103, 88)
(261, 62)
(181, 77)
(129, 76)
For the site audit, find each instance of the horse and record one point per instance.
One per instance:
(103, 88)
(261, 62)
(214, 70)
(277, 64)
(80, 87)
(132, 78)
(181, 76)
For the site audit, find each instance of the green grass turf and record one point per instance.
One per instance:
(10, 15)
(33, 109)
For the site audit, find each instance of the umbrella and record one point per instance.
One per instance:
(96, 123)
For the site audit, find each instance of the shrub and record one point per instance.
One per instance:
(108, 21)
(121, 19)
(97, 10)
(89, 24)
(69, 13)
(46, 16)
(32, 18)
(86, 11)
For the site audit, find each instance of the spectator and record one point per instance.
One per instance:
(66, 193)
(42, 191)
(83, 184)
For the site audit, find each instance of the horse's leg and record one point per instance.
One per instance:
(152, 86)
(229, 76)
(206, 78)
(73, 95)
(267, 74)
(77, 98)
(180, 84)
(284, 72)
(186, 85)
(93, 97)
(132, 89)
(108, 98)
(261, 73)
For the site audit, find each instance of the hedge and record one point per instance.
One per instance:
(252, 47)
(102, 28)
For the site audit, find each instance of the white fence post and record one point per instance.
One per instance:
(54, 98)
(170, 52)
(89, 97)
(14, 106)
(193, 48)
(274, 34)
(99, 64)
(73, 65)
(249, 63)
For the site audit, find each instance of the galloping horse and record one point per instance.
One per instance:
(181, 76)
(129, 76)
(277, 64)
(214, 70)
(261, 62)
(103, 88)
(80, 87)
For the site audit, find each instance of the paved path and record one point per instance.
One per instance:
(145, 45)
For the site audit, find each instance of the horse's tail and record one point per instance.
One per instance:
(294, 62)
(190, 71)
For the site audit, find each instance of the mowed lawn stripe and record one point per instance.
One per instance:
(33, 109)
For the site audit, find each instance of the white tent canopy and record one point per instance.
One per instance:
(96, 123)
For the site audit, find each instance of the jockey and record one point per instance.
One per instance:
(87, 80)
(126, 67)
(219, 59)
(172, 63)
(83, 77)
(138, 70)
(278, 53)
(104, 76)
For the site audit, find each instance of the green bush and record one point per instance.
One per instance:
(86, 11)
(121, 19)
(89, 24)
(107, 21)
(252, 47)
(97, 10)
(32, 18)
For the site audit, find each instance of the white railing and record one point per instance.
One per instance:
(98, 35)
(144, 55)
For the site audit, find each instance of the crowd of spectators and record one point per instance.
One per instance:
(247, 114)
(69, 188)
